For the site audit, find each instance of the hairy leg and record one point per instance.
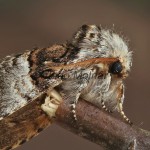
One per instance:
(120, 103)
(71, 91)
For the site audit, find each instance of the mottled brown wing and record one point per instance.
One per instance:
(22, 125)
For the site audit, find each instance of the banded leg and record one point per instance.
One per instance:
(74, 99)
(104, 107)
(71, 90)
(120, 104)
(73, 106)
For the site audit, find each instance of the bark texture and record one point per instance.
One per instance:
(102, 128)
(93, 124)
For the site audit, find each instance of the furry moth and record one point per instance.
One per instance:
(93, 66)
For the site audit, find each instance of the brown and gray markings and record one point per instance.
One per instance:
(25, 77)
(16, 86)
(22, 125)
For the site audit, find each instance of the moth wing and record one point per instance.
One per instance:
(17, 89)
(88, 42)
(88, 36)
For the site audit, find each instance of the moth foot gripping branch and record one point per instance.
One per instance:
(52, 101)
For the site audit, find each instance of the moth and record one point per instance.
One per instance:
(92, 65)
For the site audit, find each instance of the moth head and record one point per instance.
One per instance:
(95, 42)
(112, 45)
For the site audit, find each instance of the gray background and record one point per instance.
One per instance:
(30, 23)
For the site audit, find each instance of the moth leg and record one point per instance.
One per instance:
(74, 96)
(52, 102)
(71, 91)
(104, 107)
(120, 104)
(73, 106)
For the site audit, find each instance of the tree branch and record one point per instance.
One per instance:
(93, 124)
(102, 128)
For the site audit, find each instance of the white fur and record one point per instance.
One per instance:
(97, 43)
(108, 44)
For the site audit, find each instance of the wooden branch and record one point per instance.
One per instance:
(102, 128)
(93, 124)
(23, 125)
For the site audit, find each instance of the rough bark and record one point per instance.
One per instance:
(93, 124)
(102, 128)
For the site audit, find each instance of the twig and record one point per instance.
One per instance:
(102, 128)
(93, 124)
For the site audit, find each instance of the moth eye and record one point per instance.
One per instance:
(116, 67)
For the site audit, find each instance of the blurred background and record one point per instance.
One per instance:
(31, 23)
